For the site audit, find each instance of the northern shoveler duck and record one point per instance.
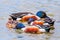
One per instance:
(19, 15)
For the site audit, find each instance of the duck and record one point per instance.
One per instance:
(14, 16)
(34, 29)
(27, 17)
(10, 24)
(14, 24)
(44, 16)
(36, 22)
(31, 29)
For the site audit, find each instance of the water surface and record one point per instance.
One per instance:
(11, 6)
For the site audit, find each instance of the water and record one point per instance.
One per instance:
(11, 6)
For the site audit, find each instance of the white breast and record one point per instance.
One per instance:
(42, 30)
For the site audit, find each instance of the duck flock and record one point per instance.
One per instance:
(30, 23)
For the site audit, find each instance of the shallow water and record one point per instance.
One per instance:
(11, 6)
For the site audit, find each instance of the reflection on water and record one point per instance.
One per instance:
(10, 6)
